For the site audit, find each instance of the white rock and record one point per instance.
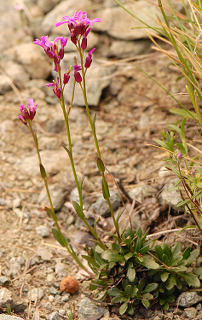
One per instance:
(118, 23)
(43, 231)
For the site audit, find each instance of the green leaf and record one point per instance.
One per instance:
(112, 255)
(181, 147)
(128, 289)
(51, 214)
(100, 165)
(105, 189)
(170, 299)
(182, 203)
(135, 290)
(198, 271)
(191, 279)
(148, 296)
(130, 310)
(128, 255)
(138, 244)
(171, 282)
(78, 209)
(183, 113)
(131, 274)
(151, 287)
(166, 306)
(59, 237)
(163, 144)
(139, 232)
(117, 299)
(67, 150)
(165, 259)
(141, 284)
(149, 262)
(42, 171)
(123, 308)
(186, 253)
(176, 250)
(193, 256)
(113, 292)
(146, 303)
(159, 251)
(164, 276)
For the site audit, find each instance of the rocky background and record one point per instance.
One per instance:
(130, 111)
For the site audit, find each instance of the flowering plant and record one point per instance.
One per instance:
(117, 267)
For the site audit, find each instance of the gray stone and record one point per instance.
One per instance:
(16, 73)
(190, 313)
(47, 5)
(188, 298)
(35, 294)
(48, 143)
(118, 23)
(171, 198)
(14, 267)
(4, 85)
(96, 80)
(32, 58)
(55, 125)
(64, 8)
(60, 269)
(43, 231)
(55, 316)
(126, 49)
(66, 297)
(88, 310)
(4, 280)
(44, 253)
(101, 206)
(5, 297)
(7, 317)
(57, 196)
(52, 161)
(53, 290)
(142, 191)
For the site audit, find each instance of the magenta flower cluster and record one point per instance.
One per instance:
(29, 112)
(79, 26)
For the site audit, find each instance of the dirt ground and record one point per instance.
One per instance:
(132, 113)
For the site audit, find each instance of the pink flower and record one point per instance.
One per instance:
(77, 75)
(79, 24)
(56, 89)
(89, 59)
(28, 112)
(53, 49)
(66, 78)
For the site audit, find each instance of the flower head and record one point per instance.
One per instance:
(56, 89)
(53, 49)
(28, 112)
(77, 75)
(89, 59)
(79, 24)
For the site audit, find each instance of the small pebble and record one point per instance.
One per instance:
(50, 277)
(51, 298)
(53, 291)
(65, 297)
(36, 294)
(43, 231)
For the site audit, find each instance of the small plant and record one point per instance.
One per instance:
(128, 269)
(136, 271)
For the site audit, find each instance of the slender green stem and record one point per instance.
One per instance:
(62, 104)
(71, 252)
(94, 134)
